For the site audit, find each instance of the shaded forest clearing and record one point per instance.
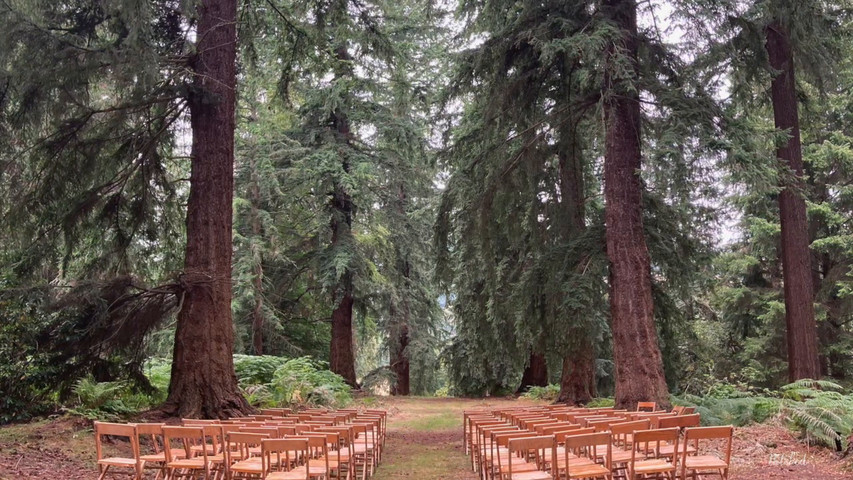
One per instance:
(424, 442)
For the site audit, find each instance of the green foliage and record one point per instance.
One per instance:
(601, 402)
(304, 381)
(548, 393)
(106, 400)
(256, 369)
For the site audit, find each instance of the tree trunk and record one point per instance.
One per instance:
(203, 382)
(577, 378)
(400, 361)
(639, 366)
(803, 361)
(535, 374)
(342, 357)
(258, 273)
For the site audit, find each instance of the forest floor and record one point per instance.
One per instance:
(424, 443)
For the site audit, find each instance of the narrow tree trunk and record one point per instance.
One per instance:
(342, 357)
(577, 378)
(258, 259)
(803, 361)
(535, 374)
(203, 382)
(639, 366)
(400, 364)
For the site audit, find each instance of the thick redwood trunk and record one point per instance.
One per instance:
(535, 374)
(639, 366)
(803, 361)
(203, 382)
(577, 382)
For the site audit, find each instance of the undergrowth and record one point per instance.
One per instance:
(819, 410)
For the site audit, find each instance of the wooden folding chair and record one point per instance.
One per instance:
(180, 459)
(584, 451)
(134, 463)
(243, 455)
(647, 406)
(645, 459)
(150, 437)
(280, 459)
(695, 463)
(539, 452)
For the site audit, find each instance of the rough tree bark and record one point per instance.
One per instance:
(400, 364)
(203, 382)
(535, 373)
(639, 366)
(577, 379)
(342, 356)
(803, 360)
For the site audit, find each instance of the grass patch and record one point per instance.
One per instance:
(446, 421)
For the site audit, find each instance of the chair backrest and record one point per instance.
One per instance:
(187, 422)
(680, 421)
(558, 427)
(592, 446)
(688, 410)
(563, 434)
(647, 443)
(543, 449)
(117, 430)
(696, 434)
(278, 452)
(185, 437)
(154, 432)
(623, 431)
(238, 445)
(647, 406)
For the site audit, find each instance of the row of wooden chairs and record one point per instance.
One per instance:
(313, 445)
(558, 442)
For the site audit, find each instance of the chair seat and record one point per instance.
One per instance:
(587, 471)
(656, 465)
(118, 462)
(248, 466)
(535, 475)
(561, 462)
(705, 462)
(161, 457)
(291, 475)
(197, 462)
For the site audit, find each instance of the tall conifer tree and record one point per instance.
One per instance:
(637, 357)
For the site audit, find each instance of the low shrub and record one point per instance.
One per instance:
(601, 402)
(106, 400)
(305, 381)
(548, 393)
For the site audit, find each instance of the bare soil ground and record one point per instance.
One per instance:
(424, 443)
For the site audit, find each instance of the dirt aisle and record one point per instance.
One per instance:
(425, 441)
